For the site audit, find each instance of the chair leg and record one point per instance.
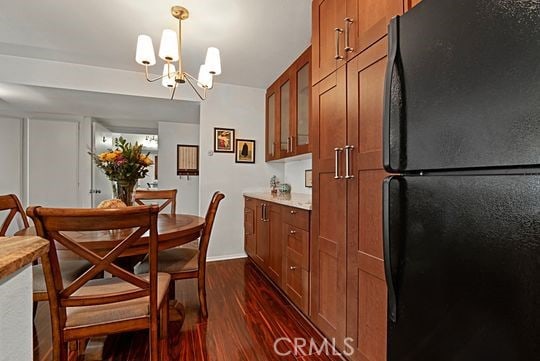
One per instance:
(202, 294)
(164, 329)
(154, 343)
(63, 351)
(172, 290)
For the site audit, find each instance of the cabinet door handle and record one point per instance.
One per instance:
(338, 56)
(273, 148)
(292, 143)
(292, 268)
(336, 164)
(262, 212)
(348, 150)
(266, 212)
(288, 144)
(293, 212)
(292, 232)
(348, 23)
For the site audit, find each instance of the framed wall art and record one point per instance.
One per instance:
(245, 151)
(223, 140)
(308, 182)
(187, 159)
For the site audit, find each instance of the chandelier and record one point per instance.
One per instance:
(170, 50)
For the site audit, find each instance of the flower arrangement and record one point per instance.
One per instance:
(123, 166)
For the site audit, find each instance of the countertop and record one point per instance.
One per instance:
(296, 200)
(17, 252)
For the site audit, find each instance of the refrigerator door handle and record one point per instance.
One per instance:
(394, 103)
(390, 283)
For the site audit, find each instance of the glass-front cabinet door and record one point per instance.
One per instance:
(285, 107)
(303, 105)
(271, 122)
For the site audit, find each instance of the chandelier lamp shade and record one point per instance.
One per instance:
(170, 51)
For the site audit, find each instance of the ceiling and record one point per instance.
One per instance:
(118, 112)
(258, 39)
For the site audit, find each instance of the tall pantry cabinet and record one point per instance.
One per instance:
(348, 289)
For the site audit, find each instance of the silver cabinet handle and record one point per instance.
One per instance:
(288, 144)
(348, 23)
(262, 212)
(348, 150)
(292, 232)
(292, 268)
(293, 212)
(273, 149)
(338, 55)
(336, 164)
(266, 212)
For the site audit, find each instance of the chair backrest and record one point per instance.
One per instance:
(11, 203)
(168, 195)
(55, 224)
(209, 224)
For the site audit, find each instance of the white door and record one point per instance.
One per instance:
(53, 163)
(102, 140)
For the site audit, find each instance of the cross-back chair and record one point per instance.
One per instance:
(89, 307)
(184, 262)
(71, 269)
(169, 196)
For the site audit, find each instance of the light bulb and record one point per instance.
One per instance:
(169, 75)
(205, 79)
(145, 51)
(168, 49)
(213, 61)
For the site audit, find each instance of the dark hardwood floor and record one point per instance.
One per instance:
(246, 316)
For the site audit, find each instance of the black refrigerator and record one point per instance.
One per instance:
(462, 218)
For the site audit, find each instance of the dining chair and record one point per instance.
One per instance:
(185, 262)
(89, 307)
(168, 195)
(71, 269)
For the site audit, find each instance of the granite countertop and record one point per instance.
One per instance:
(17, 252)
(297, 200)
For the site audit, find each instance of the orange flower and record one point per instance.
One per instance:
(111, 156)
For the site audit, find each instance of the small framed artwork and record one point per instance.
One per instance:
(245, 151)
(223, 140)
(187, 159)
(307, 178)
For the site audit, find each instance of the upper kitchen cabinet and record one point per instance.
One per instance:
(343, 29)
(409, 4)
(288, 104)
(366, 22)
(328, 53)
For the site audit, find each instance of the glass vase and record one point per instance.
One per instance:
(125, 191)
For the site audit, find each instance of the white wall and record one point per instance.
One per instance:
(53, 163)
(170, 135)
(242, 109)
(11, 172)
(295, 175)
(16, 316)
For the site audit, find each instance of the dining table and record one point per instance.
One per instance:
(173, 230)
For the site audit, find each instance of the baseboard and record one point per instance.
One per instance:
(226, 257)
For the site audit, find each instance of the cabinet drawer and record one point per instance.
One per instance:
(296, 217)
(298, 241)
(297, 280)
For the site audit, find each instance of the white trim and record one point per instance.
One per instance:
(226, 257)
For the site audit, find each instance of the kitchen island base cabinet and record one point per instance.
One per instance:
(279, 246)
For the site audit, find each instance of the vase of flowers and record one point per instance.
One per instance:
(124, 166)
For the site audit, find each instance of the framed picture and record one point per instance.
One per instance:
(187, 159)
(245, 151)
(308, 179)
(223, 140)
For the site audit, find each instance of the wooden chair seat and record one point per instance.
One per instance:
(173, 260)
(71, 269)
(113, 312)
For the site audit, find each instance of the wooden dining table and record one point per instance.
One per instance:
(173, 230)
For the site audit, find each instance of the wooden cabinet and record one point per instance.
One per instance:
(327, 37)
(329, 214)
(276, 239)
(279, 244)
(409, 4)
(287, 111)
(296, 225)
(250, 221)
